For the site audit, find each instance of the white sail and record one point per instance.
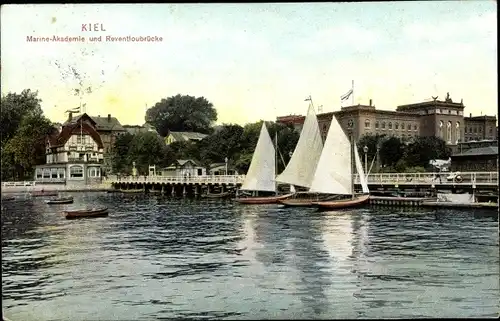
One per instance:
(262, 171)
(292, 189)
(302, 166)
(361, 173)
(333, 174)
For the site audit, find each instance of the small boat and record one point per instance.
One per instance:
(109, 191)
(8, 198)
(89, 212)
(340, 204)
(132, 190)
(43, 193)
(262, 200)
(305, 199)
(217, 195)
(60, 200)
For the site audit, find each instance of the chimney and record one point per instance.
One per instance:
(109, 118)
(470, 115)
(70, 116)
(370, 102)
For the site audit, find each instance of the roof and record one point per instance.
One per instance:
(181, 162)
(75, 128)
(185, 136)
(480, 151)
(103, 123)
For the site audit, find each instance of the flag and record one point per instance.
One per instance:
(346, 95)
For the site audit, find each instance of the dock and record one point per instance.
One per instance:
(488, 205)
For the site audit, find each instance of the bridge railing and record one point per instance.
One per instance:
(463, 178)
(18, 184)
(207, 179)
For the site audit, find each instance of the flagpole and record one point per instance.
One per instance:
(352, 93)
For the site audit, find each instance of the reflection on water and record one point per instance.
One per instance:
(156, 257)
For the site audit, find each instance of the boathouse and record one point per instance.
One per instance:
(73, 156)
(184, 168)
(482, 159)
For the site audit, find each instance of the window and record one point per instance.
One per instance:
(475, 129)
(61, 173)
(480, 129)
(491, 130)
(448, 132)
(376, 124)
(76, 171)
(390, 125)
(79, 139)
(441, 129)
(46, 173)
(39, 173)
(396, 125)
(53, 173)
(367, 123)
(457, 132)
(383, 125)
(438, 111)
(415, 127)
(94, 172)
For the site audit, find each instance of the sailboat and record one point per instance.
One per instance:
(302, 166)
(334, 173)
(261, 175)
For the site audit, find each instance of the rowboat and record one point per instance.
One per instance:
(131, 190)
(262, 200)
(90, 212)
(217, 195)
(8, 198)
(60, 200)
(340, 204)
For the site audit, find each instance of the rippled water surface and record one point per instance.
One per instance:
(156, 258)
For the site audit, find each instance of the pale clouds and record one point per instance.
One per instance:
(256, 61)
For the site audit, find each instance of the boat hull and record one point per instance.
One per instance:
(261, 200)
(217, 195)
(131, 191)
(341, 204)
(98, 212)
(305, 202)
(68, 200)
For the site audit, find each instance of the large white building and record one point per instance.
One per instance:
(74, 155)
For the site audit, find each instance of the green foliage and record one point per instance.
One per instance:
(423, 149)
(182, 113)
(144, 149)
(391, 151)
(24, 131)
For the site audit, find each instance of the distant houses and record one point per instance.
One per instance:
(135, 129)
(184, 168)
(183, 137)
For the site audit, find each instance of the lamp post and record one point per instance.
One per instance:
(365, 149)
(134, 170)
(225, 160)
(378, 157)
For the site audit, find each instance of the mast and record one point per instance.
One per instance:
(276, 161)
(352, 95)
(352, 164)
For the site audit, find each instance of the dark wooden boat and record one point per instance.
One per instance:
(261, 200)
(89, 212)
(43, 193)
(305, 199)
(217, 195)
(132, 190)
(60, 200)
(8, 198)
(344, 203)
(109, 191)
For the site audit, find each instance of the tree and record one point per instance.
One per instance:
(14, 108)
(149, 149)
(186, 150)
(372, 142)
(391, 151)
(423, 149)
(182, 113)
(27, 147)
(226, 142)
(120, 161)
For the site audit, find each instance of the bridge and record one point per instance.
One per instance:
(465, 180)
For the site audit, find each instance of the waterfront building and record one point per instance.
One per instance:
(108, 128)
(183, 137)
(183, 168)
(478, 159)
(220, 169)
(74, 154)
(440, 118)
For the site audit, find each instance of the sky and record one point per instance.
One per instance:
(253, 61)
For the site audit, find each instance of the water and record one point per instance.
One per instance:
(155, 258)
